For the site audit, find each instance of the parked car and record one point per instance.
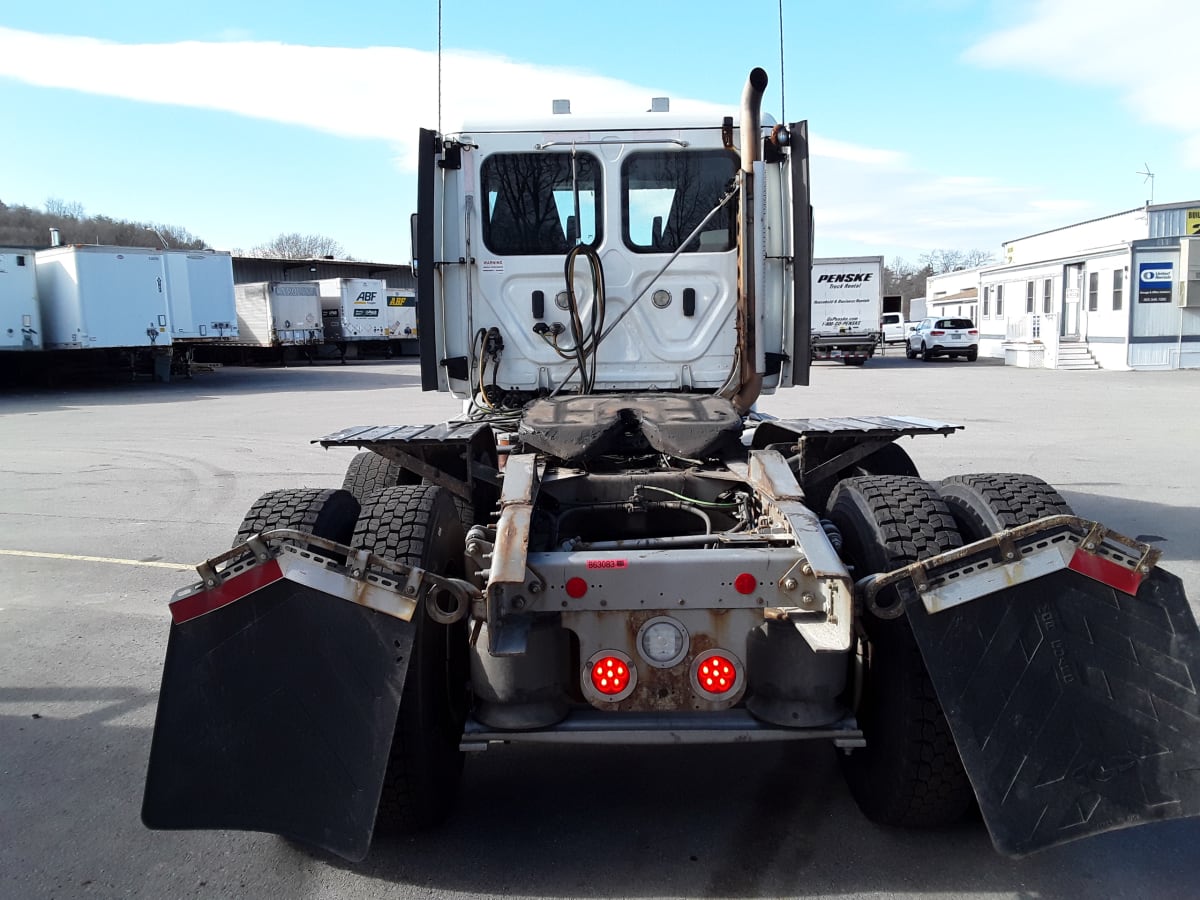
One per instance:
(943, 337)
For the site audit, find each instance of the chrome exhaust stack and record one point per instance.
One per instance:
(749, 380)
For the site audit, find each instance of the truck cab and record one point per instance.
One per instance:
(604, 253)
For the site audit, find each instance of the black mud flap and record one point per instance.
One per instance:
(276, 714)
(1074, 707)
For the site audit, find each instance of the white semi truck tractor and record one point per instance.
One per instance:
(610, 547)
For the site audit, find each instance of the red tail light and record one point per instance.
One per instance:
(973, 331)
(745, 583)
(610, 675)
(576, 588)
(716, 674)
(936, 333)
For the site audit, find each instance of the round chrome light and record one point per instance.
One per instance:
(662, 642)
(561, 300)
(661, 298)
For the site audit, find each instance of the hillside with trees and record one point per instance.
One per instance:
(26, 226)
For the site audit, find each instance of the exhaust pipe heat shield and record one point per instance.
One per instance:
(1075, 707)
(276, 714)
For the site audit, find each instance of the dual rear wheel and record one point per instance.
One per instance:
(416, 524)
(910, 773)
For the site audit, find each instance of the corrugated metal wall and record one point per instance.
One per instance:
(1168, 222)
(248, 269)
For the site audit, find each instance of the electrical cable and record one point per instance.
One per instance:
(605, 332)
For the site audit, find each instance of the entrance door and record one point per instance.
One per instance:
(1072, 292)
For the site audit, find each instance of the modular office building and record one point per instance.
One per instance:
(1122, 291)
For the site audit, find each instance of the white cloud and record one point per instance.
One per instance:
(868, 199)
(1120, 45)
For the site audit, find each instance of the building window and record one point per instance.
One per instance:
(987, 301)
(1093, 291)
(1029, 296)
(1047, 287)
(999, 301)
(1118, 288)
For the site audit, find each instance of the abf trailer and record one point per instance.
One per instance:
(610, 547)
(847, 302)
(401, 319)
(20, 320)
(352, 309)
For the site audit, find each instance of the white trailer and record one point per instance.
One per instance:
(96, 297)
(352, 309)
(279, 313)
(401, 318)
(20, 321)
(847, 299)
(200, 297)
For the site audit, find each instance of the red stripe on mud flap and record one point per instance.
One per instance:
(1105, 571)
(226, 592)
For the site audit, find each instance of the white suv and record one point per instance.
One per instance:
(943, 337)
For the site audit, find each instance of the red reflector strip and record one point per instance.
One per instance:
(226, 592)
(1105, 571)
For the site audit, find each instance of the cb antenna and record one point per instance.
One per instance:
(782, 103)
(439, 64)
(1150, 178)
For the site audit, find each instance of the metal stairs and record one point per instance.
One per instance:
(1075, 355)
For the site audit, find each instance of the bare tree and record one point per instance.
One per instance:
(904, 279)
(941, 261)
(294, 245)
(64, 209)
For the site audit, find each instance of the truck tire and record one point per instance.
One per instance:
(985, 504)
(419, 525)
(910, 773)
(891, 459)
(369, 473)
(326, 512)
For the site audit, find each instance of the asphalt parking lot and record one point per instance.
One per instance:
(110, 492)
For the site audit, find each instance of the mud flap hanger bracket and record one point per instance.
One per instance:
(1012, 557)
(369, 573)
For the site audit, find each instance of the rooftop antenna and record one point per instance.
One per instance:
(439, 66)
(1150, 178)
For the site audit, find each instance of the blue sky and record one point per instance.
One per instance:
(950, 124)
